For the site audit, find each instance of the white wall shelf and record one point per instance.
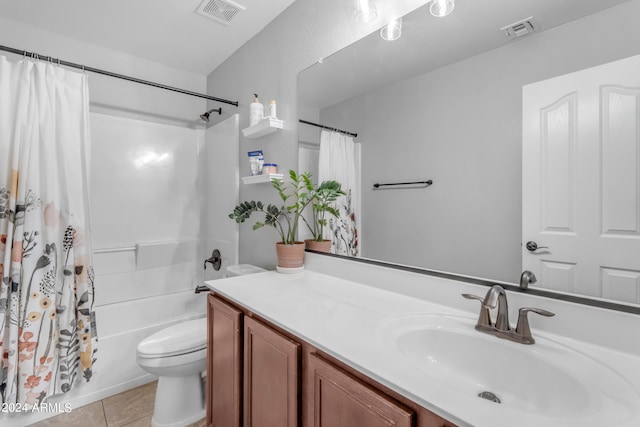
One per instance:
(263, 127)
(265, 177)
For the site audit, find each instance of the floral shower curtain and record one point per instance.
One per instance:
(338, 162)
(48, 339)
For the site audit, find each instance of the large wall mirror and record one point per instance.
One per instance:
(444, 102)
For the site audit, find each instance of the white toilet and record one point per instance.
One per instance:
(242, 270)
(177, 355)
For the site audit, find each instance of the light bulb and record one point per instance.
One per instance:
(365, 11)
(442, 8)
(392, 31)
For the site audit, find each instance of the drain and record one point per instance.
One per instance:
(489, 396)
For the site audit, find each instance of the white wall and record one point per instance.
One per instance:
(460, 125)
(268, 64)
(146, 192)
(119, 97)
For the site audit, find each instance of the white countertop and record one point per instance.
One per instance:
(342, 318)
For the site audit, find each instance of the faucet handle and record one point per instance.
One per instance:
(471, 296)
(523, 329)
(484, 319)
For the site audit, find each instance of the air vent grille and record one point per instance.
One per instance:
(520, 28)
(222, 11)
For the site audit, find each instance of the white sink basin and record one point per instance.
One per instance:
(547, 378)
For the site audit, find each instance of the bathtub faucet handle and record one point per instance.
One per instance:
(215, 260)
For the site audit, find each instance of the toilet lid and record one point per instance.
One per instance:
(181, 338)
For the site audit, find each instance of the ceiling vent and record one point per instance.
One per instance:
(520, 28)
(222, 11)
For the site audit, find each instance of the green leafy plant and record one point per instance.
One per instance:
(323, 199)
(296, 195)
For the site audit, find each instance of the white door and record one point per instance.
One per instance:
(222, 178)
(581, 181)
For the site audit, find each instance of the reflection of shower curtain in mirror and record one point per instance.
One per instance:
(338, 162)
(47, 323)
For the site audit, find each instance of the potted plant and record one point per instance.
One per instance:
(323, 199)
(295, 195)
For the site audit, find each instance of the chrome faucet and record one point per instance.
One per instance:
(496, 296)
(527, 277)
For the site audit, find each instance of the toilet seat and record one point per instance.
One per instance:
(179, 339)
(173, 365)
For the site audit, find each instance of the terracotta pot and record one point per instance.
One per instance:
(323, 246)
(290, 256)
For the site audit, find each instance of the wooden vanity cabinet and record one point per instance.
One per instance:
(271, 380)
(259, 375)
(336, 399)
(252, 371)
(224, 364)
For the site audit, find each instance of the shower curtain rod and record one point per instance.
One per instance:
(328, 128)
(116, 75)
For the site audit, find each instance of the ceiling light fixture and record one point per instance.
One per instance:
(392, 31)
(365, 11)
(441, 8)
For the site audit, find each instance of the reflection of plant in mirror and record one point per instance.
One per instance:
(298, 193)
(324, 197)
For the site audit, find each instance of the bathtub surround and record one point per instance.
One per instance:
(48, 335)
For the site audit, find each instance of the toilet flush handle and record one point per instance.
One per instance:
(215, 260)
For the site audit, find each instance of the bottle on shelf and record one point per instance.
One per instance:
(256, 111)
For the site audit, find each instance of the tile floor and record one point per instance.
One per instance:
(131, 408)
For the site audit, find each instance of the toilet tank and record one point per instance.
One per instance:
(242, 270)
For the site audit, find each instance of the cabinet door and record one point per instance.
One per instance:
(224, 364)
(336, 399)
(271, 377)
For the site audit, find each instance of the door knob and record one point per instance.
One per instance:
(533, 246)
(215, 260)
